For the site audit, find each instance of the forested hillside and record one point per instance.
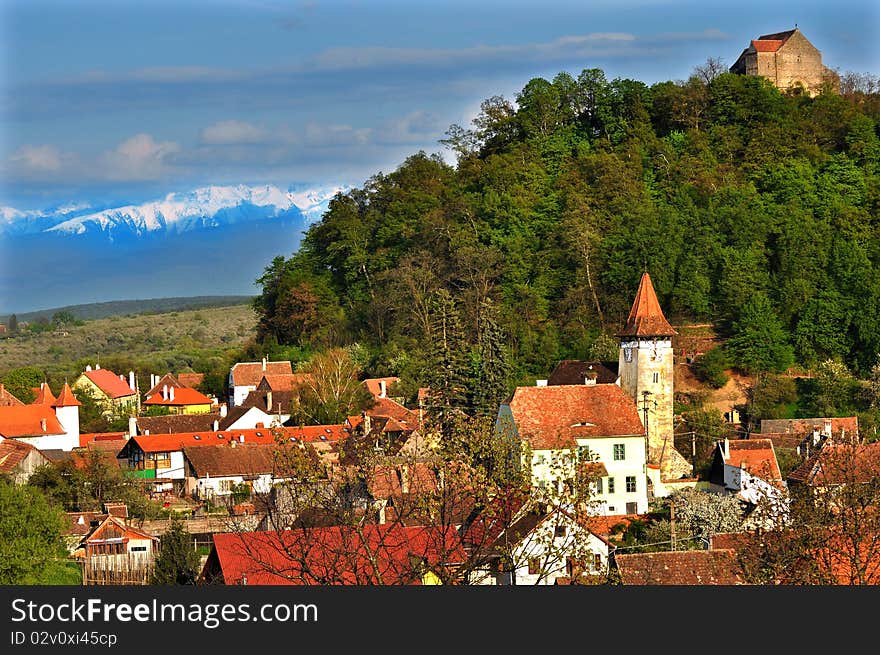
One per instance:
(750, 208)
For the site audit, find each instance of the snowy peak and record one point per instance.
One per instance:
(205, 207)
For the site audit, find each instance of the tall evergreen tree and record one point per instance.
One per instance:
(492, 364)
(447, 372)
(178, 562)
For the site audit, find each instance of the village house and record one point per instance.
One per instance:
(788, 60)
(116, 553)
(48, 423)
(179, 400)
(116, 395)
(339, 555)
(18, 460)
(807, 435)
(836, 465)
(749, 469)
(215, 472)
(245, 376)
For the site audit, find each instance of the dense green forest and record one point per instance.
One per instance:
(751, 208)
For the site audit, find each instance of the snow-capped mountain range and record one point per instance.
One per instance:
(214, 240)
(205, 207)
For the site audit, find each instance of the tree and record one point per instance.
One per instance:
(13, 324)
(711, 367)
(31, 545)
(177, 562)
(759, 342)
(712, 68)
(446, 372)
(21, 382)
(492, 368)
(332, 391)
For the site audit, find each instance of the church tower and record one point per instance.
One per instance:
(646, 369)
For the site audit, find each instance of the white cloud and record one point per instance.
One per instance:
(139, 158)
(42, 158)
(335, 135)
(232, 132)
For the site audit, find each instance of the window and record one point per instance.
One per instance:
(619, 452)
(611, 485)
(597, 562)
(559, 531)
(534, 566)
(630, 484)
(632, 508)
(656, 378)
(598, 485)
(226, 485)
(138, 549)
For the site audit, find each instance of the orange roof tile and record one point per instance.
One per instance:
(756, 456)
(250, 373)
(110, 383)
(29, 421)
(44, 395)
(12, 452)
(182, 396)
(7, 399)
(408, 419)
(176, 441)
(646, 319)
(840, 464)
(554, 417)
(66, 398)
(689, 567)
(373, 384)
(191, 380)
(766, 45)
(86, 438)
(283, 381)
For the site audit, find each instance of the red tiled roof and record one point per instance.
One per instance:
(689, 567)
(372, 385)
(408, 419)
(602, 526)
(191, 380)
(221, 460)
(66, 398)
(182, 396)
(110, 383)
(250, 373)
(12, 452)
(80, 523)
(777, 36)
(283, 381)
(371, 554)
(112, 528)
(86, 438)
(7, 399)
(756, 456)
(27, 421)
(646, 319)
(840, 464)
(44, 395)
(176, 441)
(839, 426)
(574, 371)
(554, 416)
(388, 481)
(766, 45)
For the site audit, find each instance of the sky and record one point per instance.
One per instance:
(124, 101)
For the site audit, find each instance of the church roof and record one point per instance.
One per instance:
(646, 319)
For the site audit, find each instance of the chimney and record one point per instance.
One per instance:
(43, 424)
(827, 429)
(381, 388)
(131, 379)
(241, 436)
(88, 367)
(132, 426)
(223, 410)
(152, 380)
(264, 363)
(269, 401)
(726, 446)
(164, 392)
(97, 367)
(216, 425)
(146, 433)
(171, 393)
(540, 383)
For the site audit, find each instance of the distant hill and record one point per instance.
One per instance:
(124, 307)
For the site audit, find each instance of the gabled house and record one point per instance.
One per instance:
(836, 465)
(112, 391)
(215, 472)
(340, 555)
(749, 469)
(677, 568)
(788, 60)
(179, 400)
(116, 553)
(565, 426)
(48, 423)
(18, 460)
(245, 376)
(807, 435)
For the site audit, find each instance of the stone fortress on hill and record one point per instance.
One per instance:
(788, 60)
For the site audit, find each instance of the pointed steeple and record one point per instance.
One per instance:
(646, 319)
(44, 395)
(66, 398)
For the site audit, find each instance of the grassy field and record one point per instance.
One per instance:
(160, 337)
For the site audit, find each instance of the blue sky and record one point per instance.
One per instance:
(122, 101)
